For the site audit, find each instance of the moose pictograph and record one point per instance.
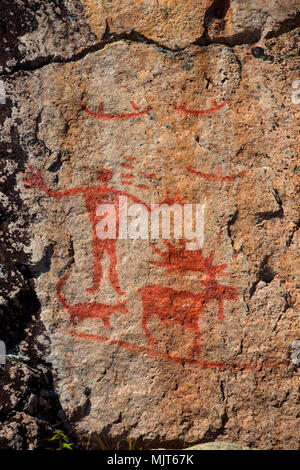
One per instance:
(179, 306)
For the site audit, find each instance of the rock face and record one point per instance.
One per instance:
(169, 342)
(218, 446)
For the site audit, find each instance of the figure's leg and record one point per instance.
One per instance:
(151, 341)
(221, 311)
(195, 351)
(113, 274)
(97, 269)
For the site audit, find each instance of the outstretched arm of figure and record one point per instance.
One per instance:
(34, 179)
(134, 199)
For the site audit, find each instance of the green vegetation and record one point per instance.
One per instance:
(60, 441)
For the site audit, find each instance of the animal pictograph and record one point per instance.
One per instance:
(91, 310)
(180, 306)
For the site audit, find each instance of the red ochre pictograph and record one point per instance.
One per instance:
(129, 176)
(93, 197)
(168, 304)
(182, 260)
(173, 197)
(148, 175)
(219, 365)
(181, 307)
(102, 116)
(213, 177)
(129, 159)
(128, 166)
(89, 310)
(200, 112)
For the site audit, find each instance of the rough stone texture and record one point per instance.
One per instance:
(218, 446)
(37, 32)
(233, 22)
(212, 121)
(27, 410)
(176, 24)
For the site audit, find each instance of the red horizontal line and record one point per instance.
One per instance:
(140, 186)
(126, 175)
(199, 112)
(212, 177)
(221, 365)
(148, 175)
(126, 165)
(150, 167)
(129, 159)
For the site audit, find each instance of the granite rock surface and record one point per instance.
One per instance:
(169, 342)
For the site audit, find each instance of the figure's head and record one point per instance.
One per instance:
(104, 175)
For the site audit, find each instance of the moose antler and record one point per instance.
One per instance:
(183, 260)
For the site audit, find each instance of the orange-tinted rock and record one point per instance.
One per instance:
(176, 24)
(150, 340)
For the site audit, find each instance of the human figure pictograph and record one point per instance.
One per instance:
(93, 197)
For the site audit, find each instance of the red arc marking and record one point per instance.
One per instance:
(213, 177)
(100, 114)
(200, 112)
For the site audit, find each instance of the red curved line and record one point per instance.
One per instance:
(105, 117)
(140, 186)
(127, 175)
(199, 112)
(127, 166)
(148, 175)
(129, 159)
(143, 186)
(152, 352)
(208, 176)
